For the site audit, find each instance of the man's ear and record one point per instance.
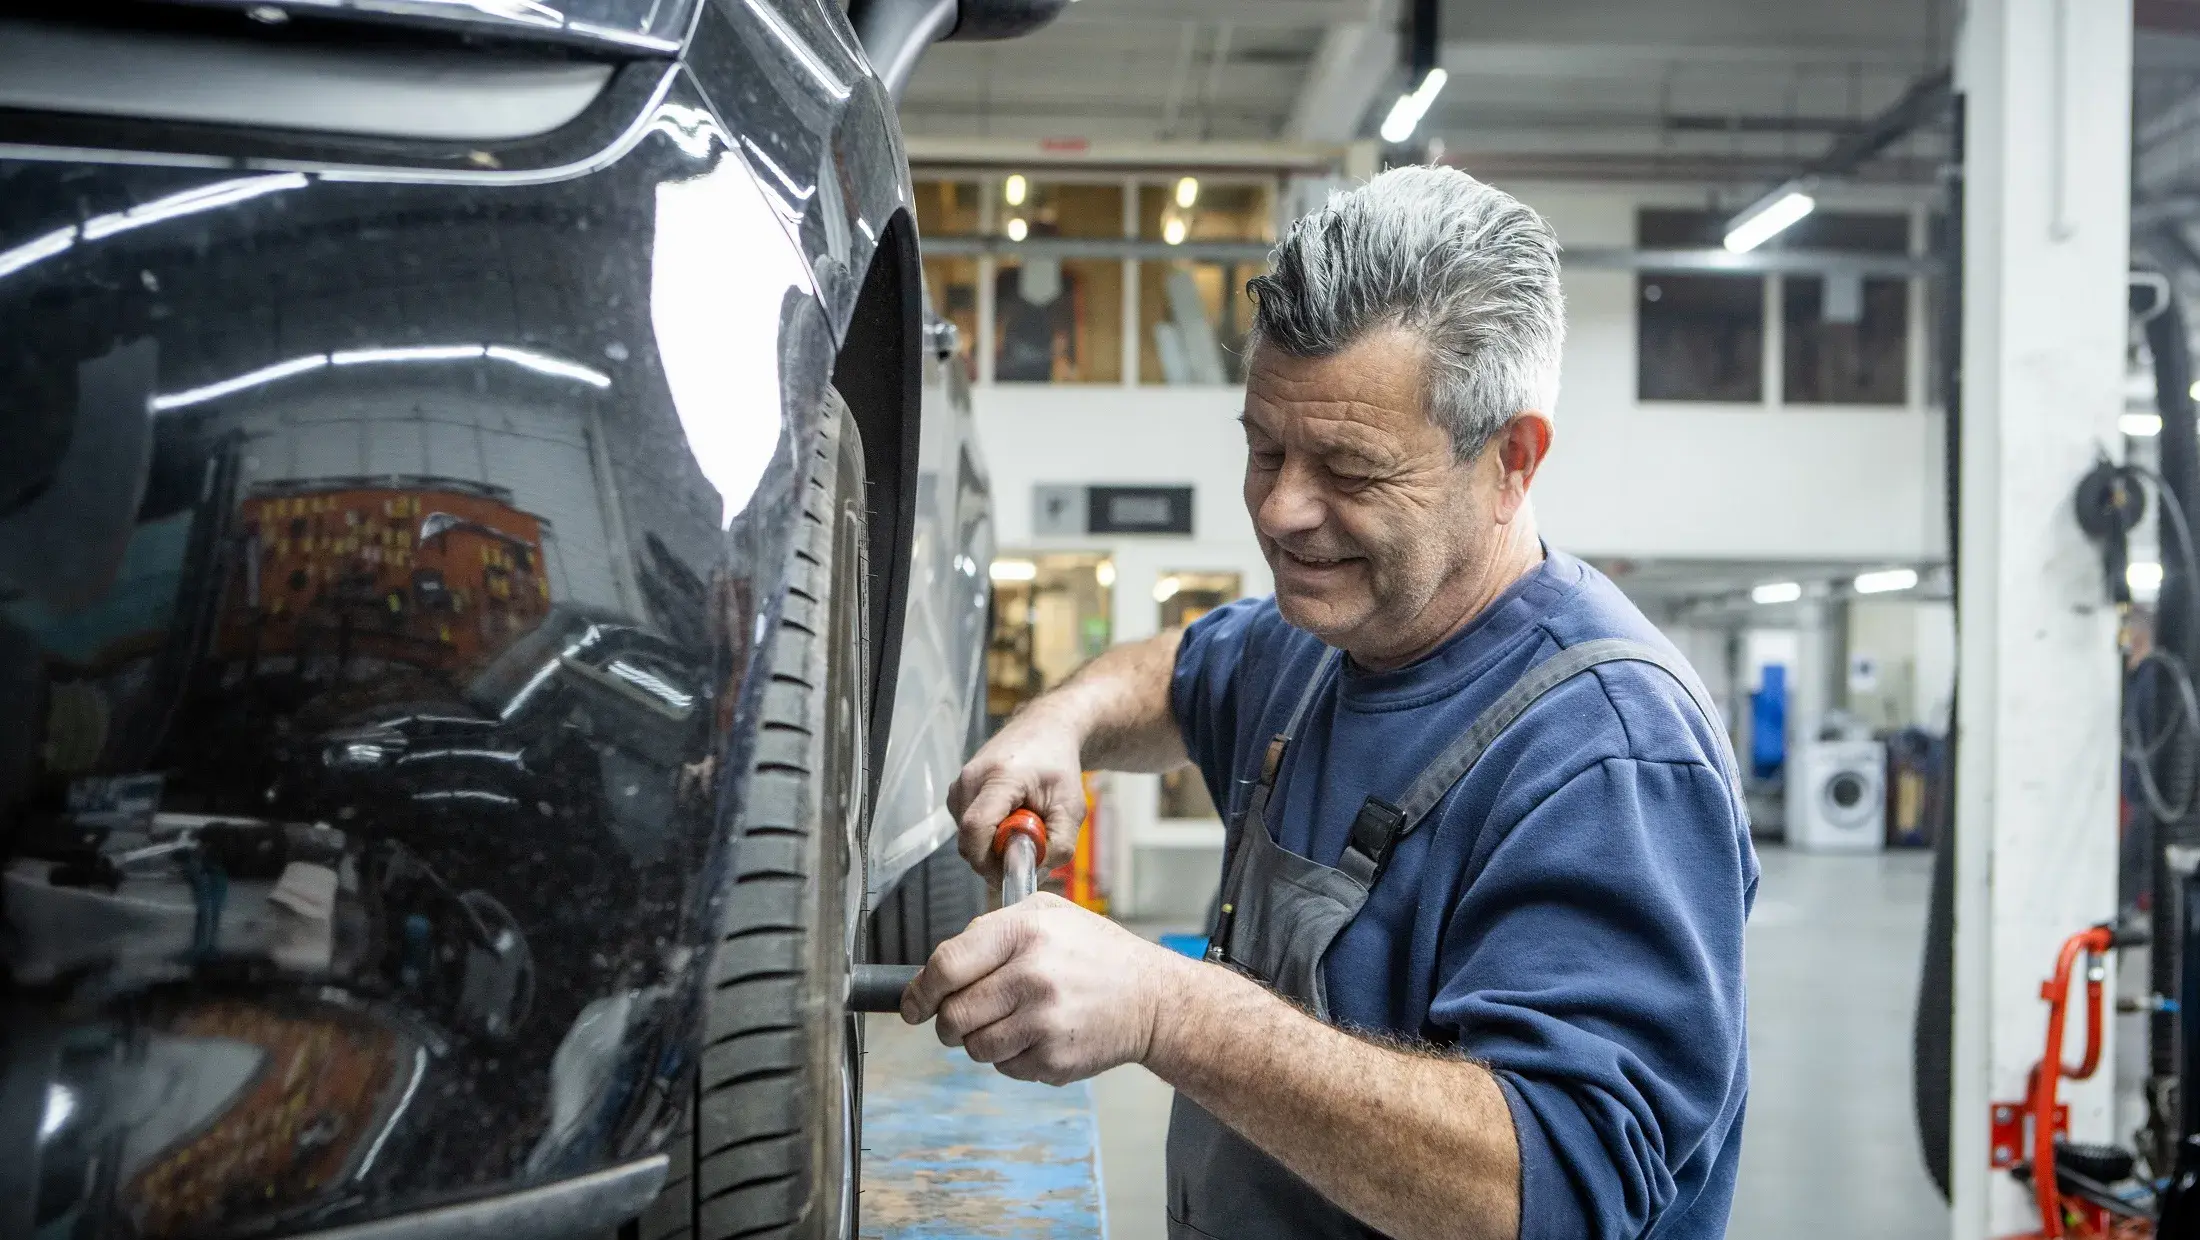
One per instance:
(1519, 448)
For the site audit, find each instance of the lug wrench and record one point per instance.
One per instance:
(878, 987)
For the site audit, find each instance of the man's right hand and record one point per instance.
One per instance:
(1033, 763)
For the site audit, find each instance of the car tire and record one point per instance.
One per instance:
(770, 1139)
(934, 901)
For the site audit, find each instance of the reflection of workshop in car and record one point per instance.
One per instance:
(433, 577)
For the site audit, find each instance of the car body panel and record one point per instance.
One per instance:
(388, 540)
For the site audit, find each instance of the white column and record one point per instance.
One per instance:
(1810, 681)
(2046, 217)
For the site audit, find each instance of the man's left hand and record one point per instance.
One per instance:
(1046, 991)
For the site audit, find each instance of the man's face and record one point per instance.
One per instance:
(1380, 542)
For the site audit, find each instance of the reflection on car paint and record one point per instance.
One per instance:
(371, 704)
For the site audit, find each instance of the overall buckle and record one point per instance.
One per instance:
(1375, 832)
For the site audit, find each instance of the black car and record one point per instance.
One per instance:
(459, 470)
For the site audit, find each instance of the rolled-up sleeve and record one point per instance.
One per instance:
(1595, 964)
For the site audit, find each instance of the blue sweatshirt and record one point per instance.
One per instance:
(1571, 913)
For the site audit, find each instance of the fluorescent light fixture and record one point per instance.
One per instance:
(2140, 425)
(2194, 390)
(1885, 580)
(1018, 229)
(1405, 115)
(1187, 192)
(2143, 576)
(1105, 574)
(1768, 219)
(36, 248)
(544, 364)
(250, 379)
(1014, 189)
(1014, 570)
(191, 201)
(1166, 588)
(525, 359)
(1172, 231)
(1777, 592)
(407, 353)
(200, 198)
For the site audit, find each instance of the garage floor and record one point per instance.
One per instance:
(1830, 1148)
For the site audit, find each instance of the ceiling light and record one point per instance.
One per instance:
(1014, 189)
(1777, 592)
(2140, 425)
(1410, 108)
(1187, 192)
(1172, 231)
(1885, 580)
(2194, 390)
(1165, 589)
(1768, 218)
(2144, 576)
(1104, 573)
(1017, 229)
(1014, 570)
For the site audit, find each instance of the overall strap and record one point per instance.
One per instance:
(1380, 825)
(1282, 740)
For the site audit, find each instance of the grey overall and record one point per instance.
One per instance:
(1278, 915)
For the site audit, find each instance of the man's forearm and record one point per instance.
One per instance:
(1119, 704)
(1412, 1144)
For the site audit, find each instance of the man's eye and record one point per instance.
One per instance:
(1268, 458)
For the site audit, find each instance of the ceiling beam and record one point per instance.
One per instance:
(1349, 68)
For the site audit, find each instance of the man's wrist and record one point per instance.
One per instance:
(1183, 992)
(1064, 710)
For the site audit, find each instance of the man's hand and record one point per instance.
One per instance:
(1032, 763)
(1046, 991)
(1112, 715)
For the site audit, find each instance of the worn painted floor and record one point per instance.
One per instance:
(1829, 1146)
(956, 1151)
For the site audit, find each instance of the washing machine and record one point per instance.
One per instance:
(1837, 797)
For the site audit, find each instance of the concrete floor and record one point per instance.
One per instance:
(1829, 1147)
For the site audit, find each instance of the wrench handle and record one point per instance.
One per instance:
(1018, 843)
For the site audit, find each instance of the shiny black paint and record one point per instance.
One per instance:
(384, 552)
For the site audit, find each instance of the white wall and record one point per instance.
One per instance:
(1624, 478)
(1667, 479)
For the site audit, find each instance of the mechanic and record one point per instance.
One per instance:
(1485, 980)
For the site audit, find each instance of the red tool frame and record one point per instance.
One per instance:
(2041, 1117)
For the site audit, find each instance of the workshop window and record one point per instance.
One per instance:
(1183, 598)
(1698, 337)
(1844, 339)
(1838, 338)
(1058, 320)
(951, 209)
(1193, 314)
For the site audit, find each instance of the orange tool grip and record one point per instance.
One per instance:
(1027, 824)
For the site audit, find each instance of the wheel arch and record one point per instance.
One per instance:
(879, 371)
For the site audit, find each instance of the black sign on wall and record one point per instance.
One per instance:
(1138, 510)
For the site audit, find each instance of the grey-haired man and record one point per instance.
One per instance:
(1477, 969)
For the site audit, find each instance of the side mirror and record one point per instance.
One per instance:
(895, 33)
(1004, 19)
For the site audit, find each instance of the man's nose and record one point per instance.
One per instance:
(1293, 504)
